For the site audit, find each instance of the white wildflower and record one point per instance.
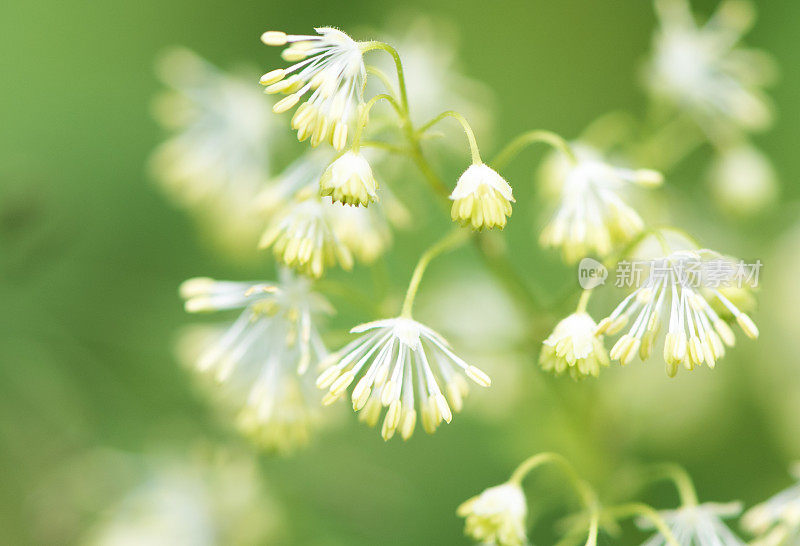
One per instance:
(673, 292)
(776, 521)
(697, 525)
(496, 516)
(349, 180)
(701, 69)
(303, 238)
(330, 67)
(170, 499)
(574, 346)
(218, 155)
(481, 198)
(592, 216)
(391, 360)
(262, 354)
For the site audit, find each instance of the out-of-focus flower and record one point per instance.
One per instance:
(776, 521)
(302, 236)
(218, 156)
(349, 180)
(496, 516)
(330, 65)
(574, 346)
(672, 290)
(743, 181)
(592, 216)
(199, 497)
(697, 525)
(262, 356)
(393, 358)
(701, 70)
(481, 198)
(364, 231)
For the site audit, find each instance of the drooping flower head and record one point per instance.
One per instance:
(349, 180)
(263, 356)
(592, 217)
(697, 525)
(329, 66)
(402, 365)
(776, 521)
(303, 238)
(701, 69)
(574, 346)
(481, 199)
(674, 293)
(496, 516)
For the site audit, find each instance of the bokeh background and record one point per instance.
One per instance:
(91, 255)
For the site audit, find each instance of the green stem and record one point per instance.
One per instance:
(382, 76)
(531, 137)
(645, 511)
(683, 482)
(369, 46)
(364, 116)
(448, 242)
(584, 301)
(473, 143)
(587, 496)
(495, 259)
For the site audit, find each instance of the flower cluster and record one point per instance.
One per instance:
(695, 332)
(326, 209)
(392, 360)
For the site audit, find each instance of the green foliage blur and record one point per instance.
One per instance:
(91, 255)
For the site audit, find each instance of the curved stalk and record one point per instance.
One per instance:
(683, 482)
(401, 80)
(450, 241)
(473, 143)
(364, 116)
(532, 137)
(645, 511)
(587, 496)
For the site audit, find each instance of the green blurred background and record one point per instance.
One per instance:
(91, 255)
